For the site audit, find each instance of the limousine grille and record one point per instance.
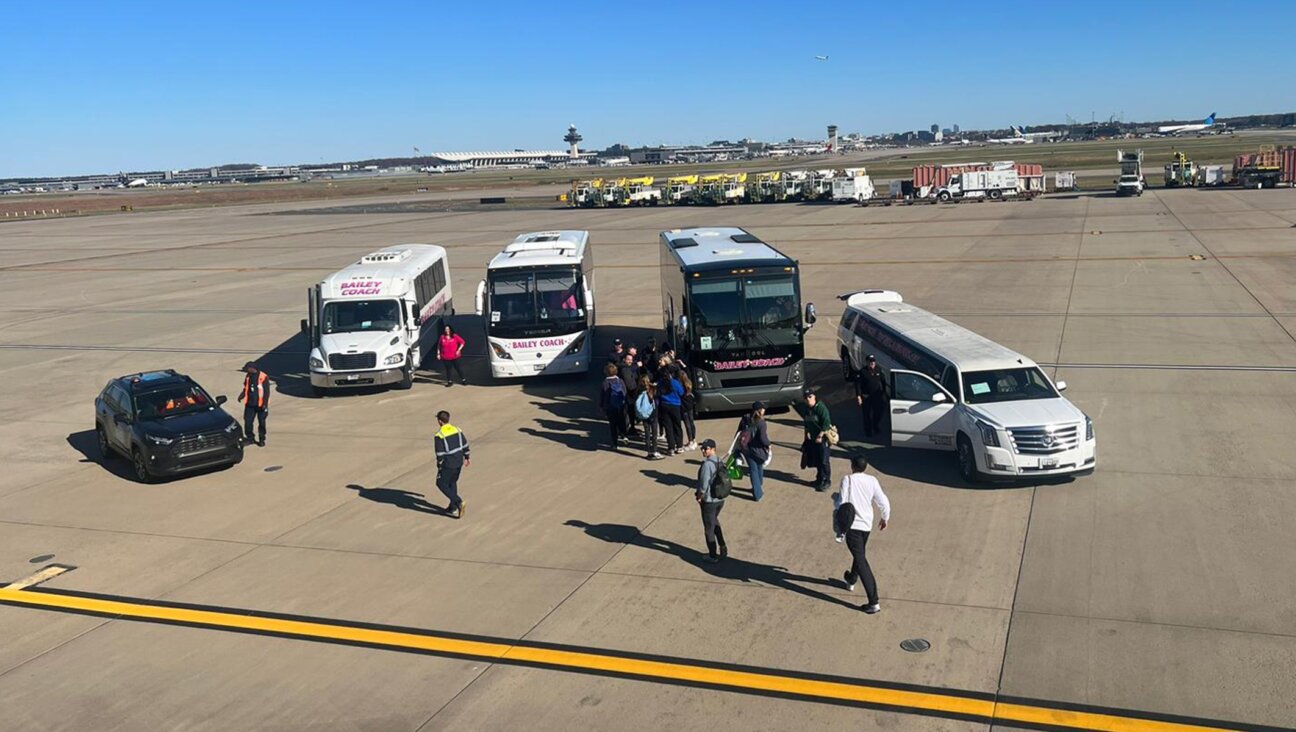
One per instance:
(1045, 440)
(366, 360)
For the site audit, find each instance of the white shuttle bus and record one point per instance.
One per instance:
(371, 323)
(537, 304)
(951, 389)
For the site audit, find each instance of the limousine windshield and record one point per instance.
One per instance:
(1006, 385)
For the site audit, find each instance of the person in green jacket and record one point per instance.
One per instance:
(816, 450)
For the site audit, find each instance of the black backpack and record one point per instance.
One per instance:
(721, 483)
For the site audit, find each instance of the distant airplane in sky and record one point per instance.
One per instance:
(821, 58)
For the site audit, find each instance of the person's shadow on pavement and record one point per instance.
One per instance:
(728, 568)
(398, 498)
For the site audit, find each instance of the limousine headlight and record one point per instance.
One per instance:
(1088, 428)
(394, 359)
(500, 352)
(989, 435)
(316, 363)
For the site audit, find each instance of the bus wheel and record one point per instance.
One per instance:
(407, 375)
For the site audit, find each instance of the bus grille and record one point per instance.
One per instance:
(366, 360)
(750, 381)
(1045, 440)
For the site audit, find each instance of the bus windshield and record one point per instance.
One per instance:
(532, 302)
(738, 313)
(350, 316)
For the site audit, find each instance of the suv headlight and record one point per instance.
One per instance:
(394, 359)
(500, 352)
(1088, 428)
(316, 363)
(233, 428)
(158, 440)
(989, 435)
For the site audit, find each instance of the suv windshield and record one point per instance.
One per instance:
(349, 316)
(737, 313)
(172, 401)
(1006, 385)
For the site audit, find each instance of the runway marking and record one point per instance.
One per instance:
(44, 575)
(887, 696)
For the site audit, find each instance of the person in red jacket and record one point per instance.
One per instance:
(450, 349)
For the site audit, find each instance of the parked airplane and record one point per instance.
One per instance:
(1046, 135)
(138, 183)
(1180, 129)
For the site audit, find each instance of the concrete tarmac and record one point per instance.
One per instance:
(1161, 584)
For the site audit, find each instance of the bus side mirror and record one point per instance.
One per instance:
(1061, 386)
(481, 297)
(810, 314)
(414, 315)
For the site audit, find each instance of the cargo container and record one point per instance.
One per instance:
(1263, 169)
(1289, 165)
(1212, 175)
(1064, 180)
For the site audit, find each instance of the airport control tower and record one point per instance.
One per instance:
(573, 138)
(832, 138)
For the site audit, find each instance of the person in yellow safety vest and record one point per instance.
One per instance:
(256, 401)
(452, 456)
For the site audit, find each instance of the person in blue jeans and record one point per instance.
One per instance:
(754, 445)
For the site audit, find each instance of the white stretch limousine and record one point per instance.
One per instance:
(951, 389)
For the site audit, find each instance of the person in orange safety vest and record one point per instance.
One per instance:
(256, 401)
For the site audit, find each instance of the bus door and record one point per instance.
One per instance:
(922, 412)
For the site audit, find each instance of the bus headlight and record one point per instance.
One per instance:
(699, 379)
(316, 363)
(575, 346)
(394, 359)
(500, 352)
(1088, 428)
(795, 375)
(989, 436)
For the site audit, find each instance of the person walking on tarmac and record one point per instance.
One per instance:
(452, 456)
(816, 450)
(871, 395)
(710, 503)
(860, 493)
(449, 350)
(256, 401)
(754, 445)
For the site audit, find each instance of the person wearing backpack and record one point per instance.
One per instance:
(860, 493)
(713, 487)
(612, 399)
(645, 409)
(754, 446)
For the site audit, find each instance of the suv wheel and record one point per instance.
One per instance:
(140, 463)
(848, 373)
(967, 460)
(105, 450)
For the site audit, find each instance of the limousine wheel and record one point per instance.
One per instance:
(967, 460)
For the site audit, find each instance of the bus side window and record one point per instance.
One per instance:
(438, 276)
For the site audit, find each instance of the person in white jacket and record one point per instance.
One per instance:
(863, 492)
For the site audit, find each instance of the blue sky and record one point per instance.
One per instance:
(101, 87)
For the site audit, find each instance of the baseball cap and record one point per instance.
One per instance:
(616, 342)
(870, 357)
(707, 444)
(250, 365)
(808, 391)
(758, 405)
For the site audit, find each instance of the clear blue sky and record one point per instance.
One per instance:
(102, 87)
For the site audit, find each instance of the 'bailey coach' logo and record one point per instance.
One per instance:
(362, 287)
(750, 363)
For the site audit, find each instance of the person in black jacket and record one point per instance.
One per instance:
(754, 446)
(871, 393)
(628, 370)
(612, 400)
(452, 456)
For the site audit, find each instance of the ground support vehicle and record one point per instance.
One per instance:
(1131, 181)
(976, 184)
(1181, 171)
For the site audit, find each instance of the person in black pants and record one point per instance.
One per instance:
(688, 403)
(863, 493)
(628, 370)
(612, 400)
(871, 394)
(710, 504)
(670, 393)
(452, 456)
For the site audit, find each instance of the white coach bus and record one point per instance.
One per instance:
(951, 389)
(371, 323)
(537, 304)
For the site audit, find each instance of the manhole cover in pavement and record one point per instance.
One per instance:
(41, 558)
(273, 468)
(915, 645)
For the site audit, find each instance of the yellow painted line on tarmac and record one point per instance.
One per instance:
(932, 701)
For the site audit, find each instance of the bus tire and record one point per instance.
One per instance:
(966, 457)
(407, 374)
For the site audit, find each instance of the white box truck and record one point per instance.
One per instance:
(992, 184)
(857, 188)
